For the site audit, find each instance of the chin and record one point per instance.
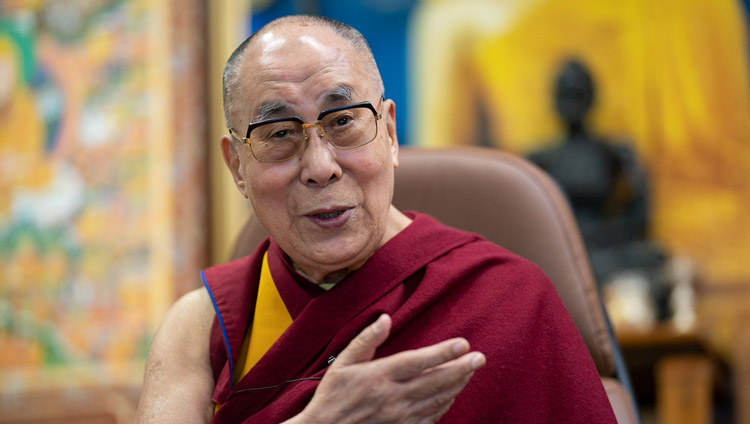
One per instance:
(341, 255)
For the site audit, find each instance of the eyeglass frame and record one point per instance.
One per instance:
(321, 115)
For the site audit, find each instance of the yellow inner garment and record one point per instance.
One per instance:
(270, 321)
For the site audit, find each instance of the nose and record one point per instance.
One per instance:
(319, 159)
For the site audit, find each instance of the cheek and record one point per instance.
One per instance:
(377, 178)
(268, 192)
(378, 162)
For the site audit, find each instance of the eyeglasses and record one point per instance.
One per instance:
(280, 139)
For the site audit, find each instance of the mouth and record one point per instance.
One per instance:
(331, 217)
(328, 215)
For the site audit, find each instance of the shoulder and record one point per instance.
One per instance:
(194, 307)
(481, 254)
(485, 271)
(186, 324)
(462, 251)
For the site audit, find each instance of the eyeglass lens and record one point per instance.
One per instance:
(346, 129)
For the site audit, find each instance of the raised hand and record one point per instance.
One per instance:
(415, 386)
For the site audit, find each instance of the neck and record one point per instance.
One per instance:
(576, 128)
(330, 278)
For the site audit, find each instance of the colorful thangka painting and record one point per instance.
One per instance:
(82, 190)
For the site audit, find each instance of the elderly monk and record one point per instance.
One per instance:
(352, 311)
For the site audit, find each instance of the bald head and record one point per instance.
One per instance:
(349, 37)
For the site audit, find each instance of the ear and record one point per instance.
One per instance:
(232, 159)
(390, 122)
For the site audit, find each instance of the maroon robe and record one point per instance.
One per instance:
(436, 283)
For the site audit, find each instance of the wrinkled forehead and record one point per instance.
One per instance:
(302, 63)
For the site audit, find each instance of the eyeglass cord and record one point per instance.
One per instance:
(255, 389)
(296, 380)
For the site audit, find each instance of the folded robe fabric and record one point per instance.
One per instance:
(436, 282)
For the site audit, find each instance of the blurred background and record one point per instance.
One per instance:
(113, 194)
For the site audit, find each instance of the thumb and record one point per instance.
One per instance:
(362, 348)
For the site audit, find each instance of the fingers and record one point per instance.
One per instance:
(362, 348)
(447, 380)
(434, 392)
(412, 386)
(412, 363)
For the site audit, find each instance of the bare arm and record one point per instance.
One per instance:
(178, 381)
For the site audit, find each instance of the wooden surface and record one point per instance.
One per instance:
(672, 373)
(684, 390)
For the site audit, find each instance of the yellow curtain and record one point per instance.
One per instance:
(671, 77)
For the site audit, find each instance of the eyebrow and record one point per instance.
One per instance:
(270, 108)
(337, 94)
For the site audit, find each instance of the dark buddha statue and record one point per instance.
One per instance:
(606, 186)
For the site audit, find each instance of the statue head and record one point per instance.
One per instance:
(574, 93)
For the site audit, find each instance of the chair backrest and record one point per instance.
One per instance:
(512, 203)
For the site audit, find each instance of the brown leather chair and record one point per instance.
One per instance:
(512, 203)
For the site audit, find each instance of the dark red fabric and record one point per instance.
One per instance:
(436, 283)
